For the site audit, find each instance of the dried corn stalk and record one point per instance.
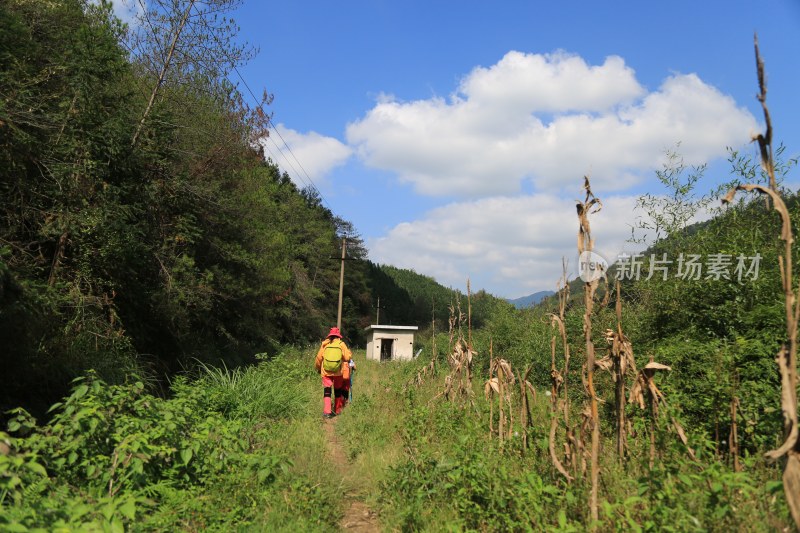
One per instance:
(559, 381)
(525, 410)
(461, 368)
(563, 297)
(619, 362)
(787, 355)
(434, 352)
(590, 205)
(451, 331)
(556, 381)
(645, 393)
(501, 377)
(458, 384)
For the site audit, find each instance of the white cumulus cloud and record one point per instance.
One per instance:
(550, 119)
(309, 153)
(128, 10)
(550, 83)
(510, 245)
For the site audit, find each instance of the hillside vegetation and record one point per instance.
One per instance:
(141, 240)
(163, 288)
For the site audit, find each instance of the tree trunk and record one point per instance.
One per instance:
(163, 72)
(58, 257)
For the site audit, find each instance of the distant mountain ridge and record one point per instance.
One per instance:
(531, 299)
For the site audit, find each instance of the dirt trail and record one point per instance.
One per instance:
(358, 516)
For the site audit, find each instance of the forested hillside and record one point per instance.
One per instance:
(138, 239)
(163, 288)
(139, 255)
(131, 256)
(411, 298)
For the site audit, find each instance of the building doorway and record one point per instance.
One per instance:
(386, 349)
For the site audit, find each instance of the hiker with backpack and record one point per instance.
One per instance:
(333, 364)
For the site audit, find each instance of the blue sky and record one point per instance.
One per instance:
(455, 135)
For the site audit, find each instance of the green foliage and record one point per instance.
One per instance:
(269, 390)
(453, 477)
(141, 257)
(411, 298)
(114, 457)
(671, 213)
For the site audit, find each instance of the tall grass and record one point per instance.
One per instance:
(272, 389)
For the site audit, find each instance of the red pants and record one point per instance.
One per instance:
(340, 387)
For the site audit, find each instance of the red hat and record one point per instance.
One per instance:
(335, 333)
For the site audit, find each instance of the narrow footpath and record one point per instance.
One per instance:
(358, 516)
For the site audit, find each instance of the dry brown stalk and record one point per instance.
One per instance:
(563, 297)
(645, 393)
(501, 377)
(460, 363)
(491, 404)
(619, 362)
(526, 420)
(787, 354)
(584, 430)
(590, 205)
(451, 331)
(556, 380)
(469, 316)
(559, 379)
(458, 384)
(523, 412)
(555, 385)
(435, 354)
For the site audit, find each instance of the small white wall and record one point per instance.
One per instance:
(402, 344)
(371, 348)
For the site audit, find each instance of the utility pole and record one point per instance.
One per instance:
(378, 311)
(341, 285)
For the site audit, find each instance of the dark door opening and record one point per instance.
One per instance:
(386, 349)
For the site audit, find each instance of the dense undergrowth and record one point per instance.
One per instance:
(454, 477)
(244, 449)
(226, 449)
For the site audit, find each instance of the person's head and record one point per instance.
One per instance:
(334, 332)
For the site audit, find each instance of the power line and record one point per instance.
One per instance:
(271, 124)
(269, 120)
(287, 161)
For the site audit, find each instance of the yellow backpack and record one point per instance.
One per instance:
(333, 357)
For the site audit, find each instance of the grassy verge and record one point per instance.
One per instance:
(453, 476)
(246, 450)
(228, 449)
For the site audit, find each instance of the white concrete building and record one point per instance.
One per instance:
(390, 343)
